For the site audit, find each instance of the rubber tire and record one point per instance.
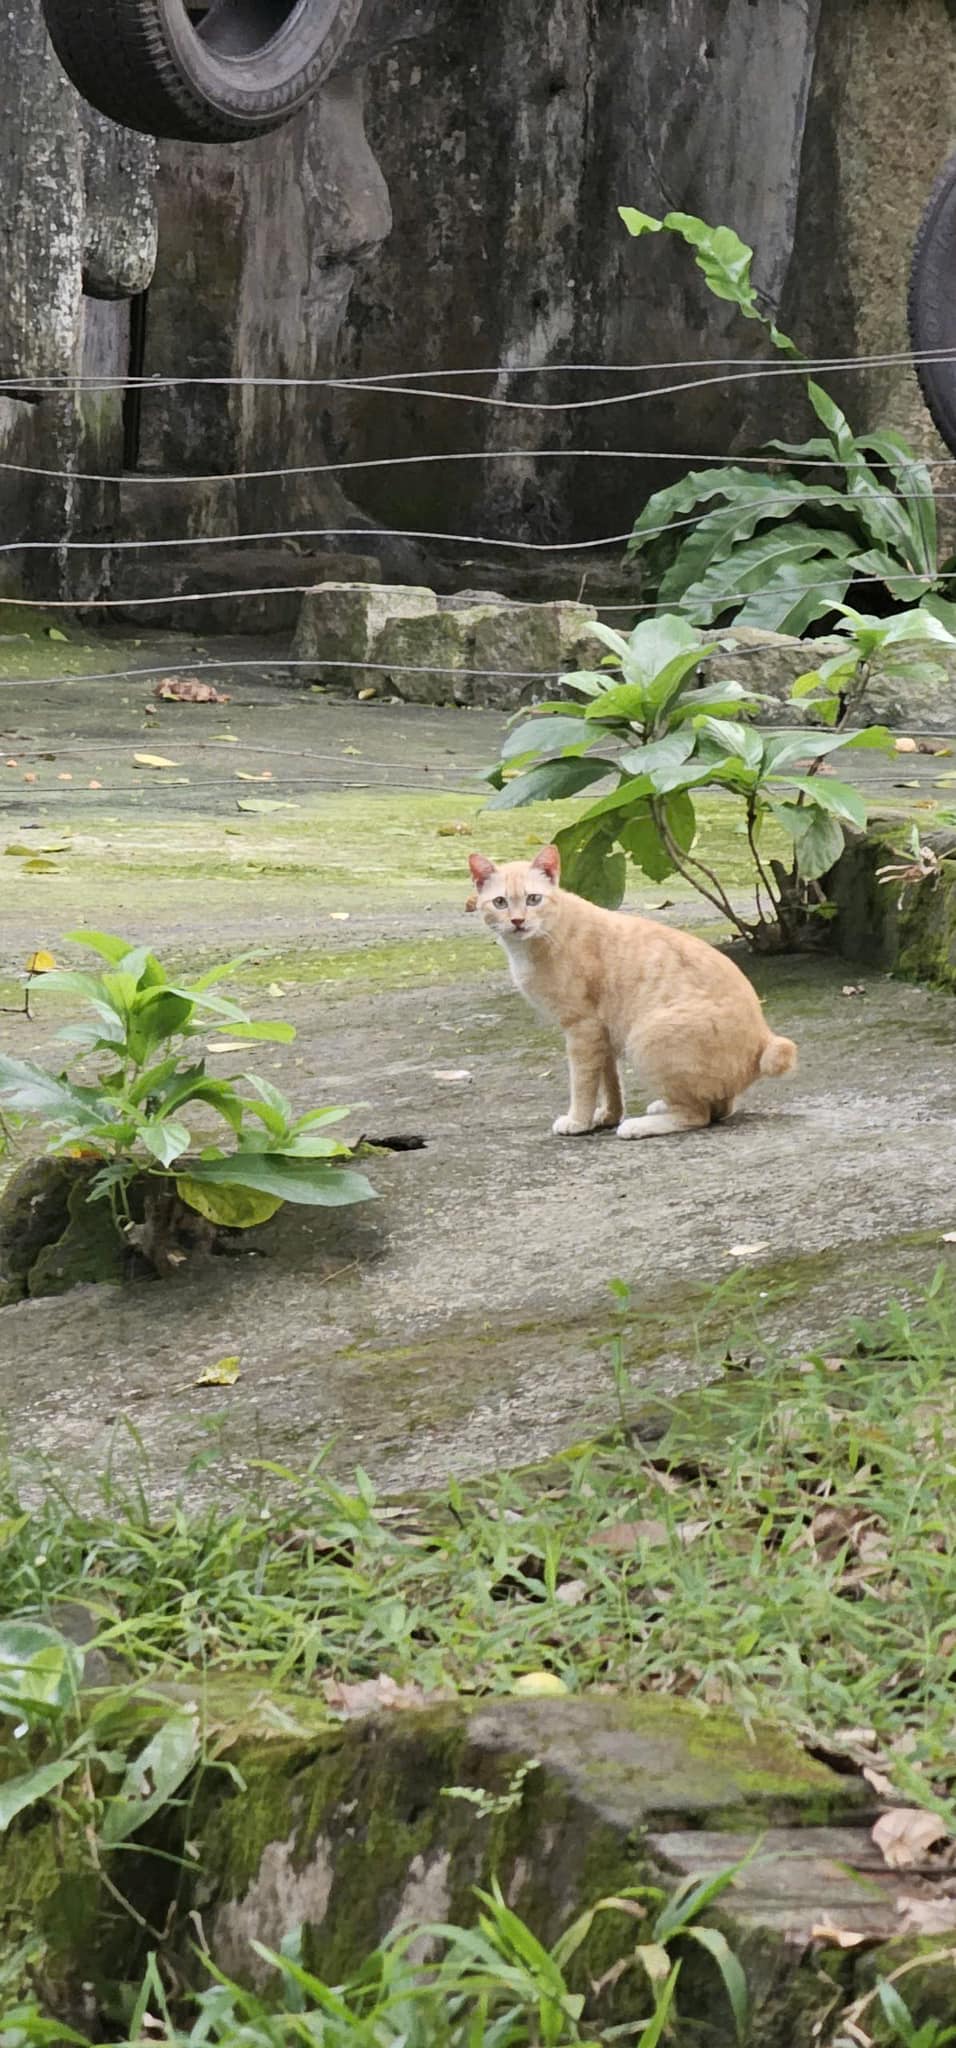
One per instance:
(931, 305)
(143, 64)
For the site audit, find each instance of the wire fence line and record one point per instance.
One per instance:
(750, 366)
(718, 371)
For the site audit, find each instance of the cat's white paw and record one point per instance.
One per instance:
(632, 1127)
(565, 1127)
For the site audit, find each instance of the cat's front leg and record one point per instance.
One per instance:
(587, 1050)
(610, 1104)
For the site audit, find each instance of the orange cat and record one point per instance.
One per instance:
(685, 1014)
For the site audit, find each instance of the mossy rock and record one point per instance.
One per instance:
(51, 1236)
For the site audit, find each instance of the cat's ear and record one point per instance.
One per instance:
(481, 867)
(549, 860)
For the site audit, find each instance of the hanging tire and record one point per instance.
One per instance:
(199, 70)
(932, 303)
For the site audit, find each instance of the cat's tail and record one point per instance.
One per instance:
(779, 1056)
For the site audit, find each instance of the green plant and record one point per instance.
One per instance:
(776, 549)
(494, 1985)
(907, 2031)
(643, 720)
(137, 1116)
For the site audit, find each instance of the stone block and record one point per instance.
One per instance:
(341, 623)
(522, 650)
(432, 655)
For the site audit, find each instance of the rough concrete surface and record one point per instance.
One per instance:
(457, 1323)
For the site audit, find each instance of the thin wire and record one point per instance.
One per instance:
(768, 501)
(389, 379)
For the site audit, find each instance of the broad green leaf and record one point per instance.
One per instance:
(657, 642)
(165, 1140)
(103, 943)
(630, 791)
(752, 567)
(611, 639)
(271, 1033)
(817, 837)
(550, 779)
(668, 752)
(782, 750)
(545, 736)
(16, 1794)
(39, 1669)
(641, 839)
(638, 223)
(34, 1092)
(841, 798)
(152, 1777)
(308, 1181)
(795, 595)
(669, 682)
(587, 681)
(589, 865)
(715, 697)
(156, 1014)
(622, 703)
(235, 1208)
(760, 500)
(734, 738)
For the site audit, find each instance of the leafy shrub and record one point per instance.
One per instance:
(773, 549)
(645, 722)
(136, 1116)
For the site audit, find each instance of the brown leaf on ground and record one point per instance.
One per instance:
(904, 1834)
(926, 1916)
(189, 690)
(471, 902)
(906, 746)
(853, 988)
(835, 1937)
(620, 1537)
(371, 1695)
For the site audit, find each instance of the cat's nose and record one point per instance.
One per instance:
(518, 923)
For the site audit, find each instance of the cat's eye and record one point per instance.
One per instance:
(499, 903)
(532, 899)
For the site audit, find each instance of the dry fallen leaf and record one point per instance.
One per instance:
(926, 1916)
(906, 746)
(29, 776)
(224, 1373)
(905, 1833)
(94, 785)
(189, 690)
(688, 1532)
(340, 916)
(40, 963)
(853, 988)
(226, 1045)
(64, 778)
(748, 1251)
(364, 695)
(370, 1695)
(623, 1536)
(471, 902)
(153, 761)
(451, 1074)
(835, 1937)
(450, 831)
(246, 775)
(948, 1237)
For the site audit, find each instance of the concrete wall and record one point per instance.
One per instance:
(449, 201)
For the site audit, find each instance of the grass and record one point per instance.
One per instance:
(787, 1549)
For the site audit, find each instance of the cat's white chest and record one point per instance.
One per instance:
(523, 972)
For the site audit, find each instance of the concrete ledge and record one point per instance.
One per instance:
(906, 924)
